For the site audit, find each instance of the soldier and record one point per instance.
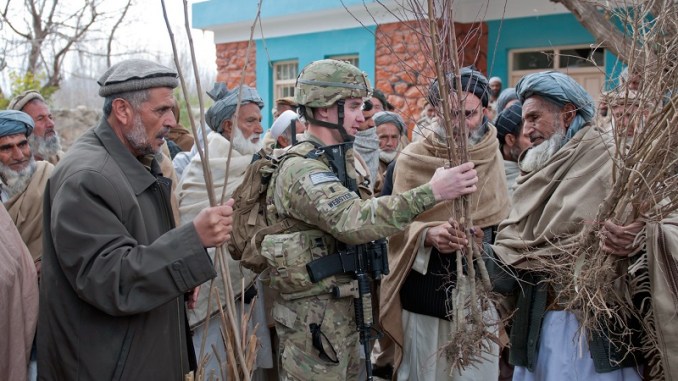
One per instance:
(318, 338)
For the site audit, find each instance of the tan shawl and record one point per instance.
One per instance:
(662, 250)
(193, 199)
(415, 166)
(25, 209)
(552, 206)
(18, 301)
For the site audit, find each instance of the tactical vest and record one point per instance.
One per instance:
(288, 253)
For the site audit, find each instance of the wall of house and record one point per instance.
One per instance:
(306, 48)
(404, 68)
(537, 32)
(231, 60)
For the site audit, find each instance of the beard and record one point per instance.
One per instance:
(475, 136)
(15, 182)
(537, 156)
(138, 139)
(387, 157)
(44, 147)
(243, 145)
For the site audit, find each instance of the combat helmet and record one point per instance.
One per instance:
(326, 82)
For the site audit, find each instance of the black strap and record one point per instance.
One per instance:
(317, 337)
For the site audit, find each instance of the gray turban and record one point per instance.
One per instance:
(560, 89)
(136, 75)
(506, 96)
(389, 117)
(18, 102)
(14, 122)
(225, 102)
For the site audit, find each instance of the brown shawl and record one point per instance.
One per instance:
(552, 206)
(415, 166)
(662, 255)
(25, 209)
(18, 301)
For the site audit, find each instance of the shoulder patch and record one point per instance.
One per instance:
(323, 177)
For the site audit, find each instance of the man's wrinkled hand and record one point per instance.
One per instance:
(446, 238)
(620, 240)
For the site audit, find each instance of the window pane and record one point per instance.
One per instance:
(533, 60)
(582, 57)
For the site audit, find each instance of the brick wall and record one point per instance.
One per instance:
(404, 69)
(231, 60)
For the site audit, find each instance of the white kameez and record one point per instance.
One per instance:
(563, 354)
(422, 359)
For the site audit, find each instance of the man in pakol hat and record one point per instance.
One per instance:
(567, 176)
(414, 295)
(45, 143)
(22, 179)
(116, 271)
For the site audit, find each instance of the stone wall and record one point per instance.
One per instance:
(231, 60)
(71, 123)
(404, 68)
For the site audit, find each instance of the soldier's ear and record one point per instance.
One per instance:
(321, 113)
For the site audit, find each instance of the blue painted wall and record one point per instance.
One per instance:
(536, 32)
(219, 12)
(306, 48)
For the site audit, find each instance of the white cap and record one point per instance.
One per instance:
(283, 122)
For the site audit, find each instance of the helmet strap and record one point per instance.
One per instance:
(339, 126)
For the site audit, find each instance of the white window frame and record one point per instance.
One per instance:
(279, 84)
(353, 59)
(556, 62)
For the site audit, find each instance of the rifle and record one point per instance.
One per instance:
(366, 262)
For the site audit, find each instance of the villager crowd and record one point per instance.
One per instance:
(105, 247)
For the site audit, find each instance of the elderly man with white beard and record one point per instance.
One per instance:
(414, 297)
(566, 176)
(45, 143)
(22, 179)
(242, 134)
(390, 129)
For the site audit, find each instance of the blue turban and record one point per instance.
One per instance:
(560, 89)
(225, 102)
(15, 122)
(389, 117)
(506, 96)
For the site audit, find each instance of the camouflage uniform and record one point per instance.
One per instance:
(308, 192)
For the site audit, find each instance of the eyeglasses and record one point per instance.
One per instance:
(468, 114)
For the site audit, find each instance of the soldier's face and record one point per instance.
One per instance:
(353, 115)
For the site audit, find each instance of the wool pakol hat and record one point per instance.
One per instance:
(136, 75)
(20, 101)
